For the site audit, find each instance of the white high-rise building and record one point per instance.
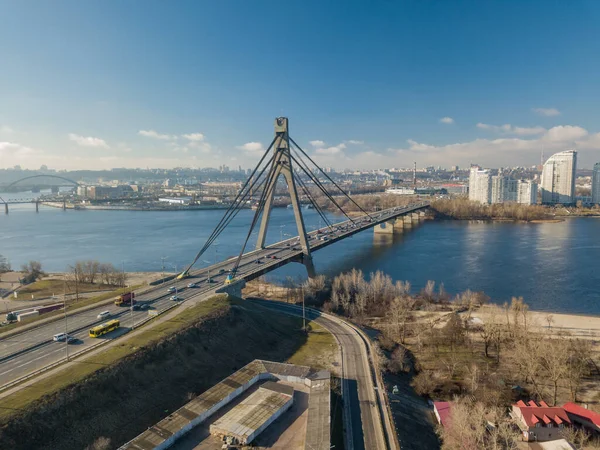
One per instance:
(558, 178)
(527, 192)
(596, 184)
(480, 185)
(504, 189)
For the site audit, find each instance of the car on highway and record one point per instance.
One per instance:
(192, 285)
(258, 261)
(62, 337)
(209, 280)
(59, 337)
(172, 289)
(222, 271)
(273, 257)
(144, 306)
(136, 307)
(103, 315)
(176, 298)
(295, 248)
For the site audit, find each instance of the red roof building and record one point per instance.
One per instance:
(442, 412)
(540, 422)
(582, 416)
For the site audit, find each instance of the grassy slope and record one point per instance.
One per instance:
(46, 288)
(119, 399)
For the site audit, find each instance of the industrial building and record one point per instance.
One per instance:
(254, 414)
(558, 178)
(266, 390)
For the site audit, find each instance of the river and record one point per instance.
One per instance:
(554, 266)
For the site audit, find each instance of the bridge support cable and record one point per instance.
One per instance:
(270, 185)
(235, 206)
(313, 202)
(329, 178)
(319, 185)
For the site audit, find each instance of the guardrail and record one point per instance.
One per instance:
(83, 351)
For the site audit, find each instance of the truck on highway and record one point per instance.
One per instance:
(126, 299)
(24, 317)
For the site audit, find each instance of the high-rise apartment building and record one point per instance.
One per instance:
(527, 192)
(596, 184)
(480, 185)
(504, 189)
(558, 178)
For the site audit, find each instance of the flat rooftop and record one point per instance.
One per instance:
(168, 430)
(246, 420)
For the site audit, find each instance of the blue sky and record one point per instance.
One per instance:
(365, 84)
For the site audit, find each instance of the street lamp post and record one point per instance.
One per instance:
(65, 310)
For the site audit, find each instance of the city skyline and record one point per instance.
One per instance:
(89, 87)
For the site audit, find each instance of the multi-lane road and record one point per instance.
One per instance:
(31, 350)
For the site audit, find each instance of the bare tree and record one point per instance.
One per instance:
(4, 264)
(554, 358)
(32, 271)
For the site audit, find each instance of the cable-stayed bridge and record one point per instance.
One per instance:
(285, 158)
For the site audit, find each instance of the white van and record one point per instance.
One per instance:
(103, 315)
(59, 337)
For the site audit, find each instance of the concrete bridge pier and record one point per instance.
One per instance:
(64, 205)
(385, 227)
(6, 208)
(414, 217)
(407, 220)
(234, 288)
(37, 207)
(421, 215)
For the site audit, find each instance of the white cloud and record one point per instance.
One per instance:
(447, 120)
(565, 133)
(335, 150)
(14, 149)
(88, 141)
(252, 149)
(509, 129)
(194, 137)
(354, 142)
(154, 135)
(548, 112)
(317, 144)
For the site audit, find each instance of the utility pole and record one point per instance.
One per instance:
(65, 309)
(303, 310)
(162, 259)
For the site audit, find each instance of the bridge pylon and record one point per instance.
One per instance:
(282, 165)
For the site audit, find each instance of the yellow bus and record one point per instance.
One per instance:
(104, 328)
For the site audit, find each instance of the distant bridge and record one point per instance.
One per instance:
(36, 201)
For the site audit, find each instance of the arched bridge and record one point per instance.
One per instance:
(8, 187)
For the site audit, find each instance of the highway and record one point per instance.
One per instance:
(23, 353)
(363, 425)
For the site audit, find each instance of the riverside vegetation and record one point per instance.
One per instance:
(482, 365)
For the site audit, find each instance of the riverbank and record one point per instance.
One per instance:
(84, 207)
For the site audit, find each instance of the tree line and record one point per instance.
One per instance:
(482, 357)
(463, 209)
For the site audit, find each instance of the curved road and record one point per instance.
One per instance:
(363, 421)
